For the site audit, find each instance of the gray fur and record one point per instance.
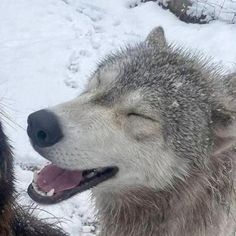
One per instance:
(156, 38)
(166, 119)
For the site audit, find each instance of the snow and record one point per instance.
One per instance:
(49, 48)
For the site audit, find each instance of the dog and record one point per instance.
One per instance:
(16, 220)
(153, 136)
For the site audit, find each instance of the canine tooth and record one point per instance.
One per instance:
(51, 192)
(40, 192)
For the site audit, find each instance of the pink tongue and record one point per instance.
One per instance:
(53, 177)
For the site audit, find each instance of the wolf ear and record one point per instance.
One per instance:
(156, 38)
(224, 126)
(229, 84)
(224, 117)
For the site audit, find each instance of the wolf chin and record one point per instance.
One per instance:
(154, 136)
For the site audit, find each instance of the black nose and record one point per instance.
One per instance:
(43, 128)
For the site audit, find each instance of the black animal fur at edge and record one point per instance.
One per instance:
(14, 220)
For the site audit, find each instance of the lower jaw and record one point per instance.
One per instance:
(109, 172)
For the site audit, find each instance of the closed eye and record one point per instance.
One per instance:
(140, 116)
(133, 114)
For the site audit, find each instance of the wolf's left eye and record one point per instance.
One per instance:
(133, 114)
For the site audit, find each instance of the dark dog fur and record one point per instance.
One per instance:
(14, 220)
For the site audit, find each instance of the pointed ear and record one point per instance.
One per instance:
(156, 38)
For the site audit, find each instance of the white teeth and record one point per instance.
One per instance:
(51, 192)
(37, 190)
(90, 175)
(48, 194)
(35, 177)
(34, 185)
(40, 170)
(95, 172)
(48, 163)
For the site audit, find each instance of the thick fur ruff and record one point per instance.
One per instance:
(196, 206)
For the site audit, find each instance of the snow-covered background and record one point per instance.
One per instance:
(49, 48)
(224, 10)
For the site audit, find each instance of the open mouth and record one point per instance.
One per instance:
(53, 184)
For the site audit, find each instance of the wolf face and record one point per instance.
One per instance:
(144, 119)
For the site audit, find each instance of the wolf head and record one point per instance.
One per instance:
(149, 113)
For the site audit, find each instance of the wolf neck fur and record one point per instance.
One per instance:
(192, 207)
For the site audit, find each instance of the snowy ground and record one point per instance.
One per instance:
(49, 48)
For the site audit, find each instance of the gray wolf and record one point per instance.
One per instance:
(153, 136)
(16, 220)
